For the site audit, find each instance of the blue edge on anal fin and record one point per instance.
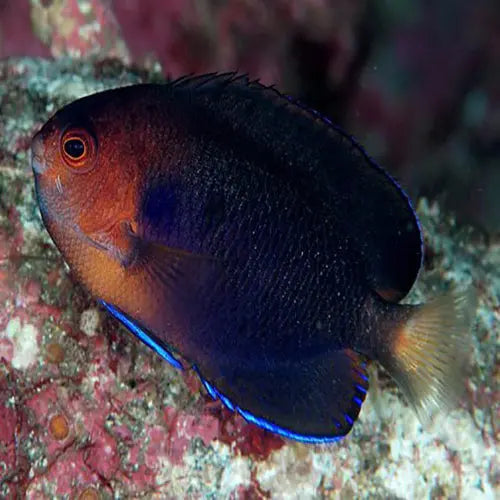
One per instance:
(263, 423)
(215, 394)
(142, 335)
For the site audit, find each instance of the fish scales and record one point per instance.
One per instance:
(245, 237)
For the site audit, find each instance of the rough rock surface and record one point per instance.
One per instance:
(86, 411)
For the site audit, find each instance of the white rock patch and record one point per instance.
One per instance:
(89, 322)
(24, 338)
(236, 474)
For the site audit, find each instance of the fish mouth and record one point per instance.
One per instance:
(38, 163)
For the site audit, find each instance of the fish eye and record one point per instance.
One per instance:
(74, 148)
(78, 149)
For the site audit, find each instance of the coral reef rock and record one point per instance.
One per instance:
(89, 412)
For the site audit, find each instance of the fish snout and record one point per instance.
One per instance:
(38, 163)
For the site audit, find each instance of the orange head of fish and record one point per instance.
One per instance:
(90, 162)
(86, 169)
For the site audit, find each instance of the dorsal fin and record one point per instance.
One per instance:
(321, 161)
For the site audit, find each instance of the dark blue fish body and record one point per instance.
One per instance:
(261, 247)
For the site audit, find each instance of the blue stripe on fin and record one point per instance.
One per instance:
(226, 401)
(362, 375)
(263, 423)
(209, 388)
(357, 401)
(142, 335)
(269, 426)
(361, 388)
(348, 419)
(213, 391)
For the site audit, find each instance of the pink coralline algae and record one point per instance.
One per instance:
(77, 28)
(181, 430)
(86, 411)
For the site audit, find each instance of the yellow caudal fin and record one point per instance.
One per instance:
(429, 353)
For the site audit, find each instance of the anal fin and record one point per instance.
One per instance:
(313, 401)
(143, 335)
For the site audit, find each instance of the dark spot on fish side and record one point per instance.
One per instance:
(159, 206)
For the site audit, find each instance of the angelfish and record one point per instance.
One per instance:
(246, 237)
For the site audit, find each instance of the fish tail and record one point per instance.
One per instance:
(428, 352)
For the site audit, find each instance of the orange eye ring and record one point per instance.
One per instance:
(78, 149)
